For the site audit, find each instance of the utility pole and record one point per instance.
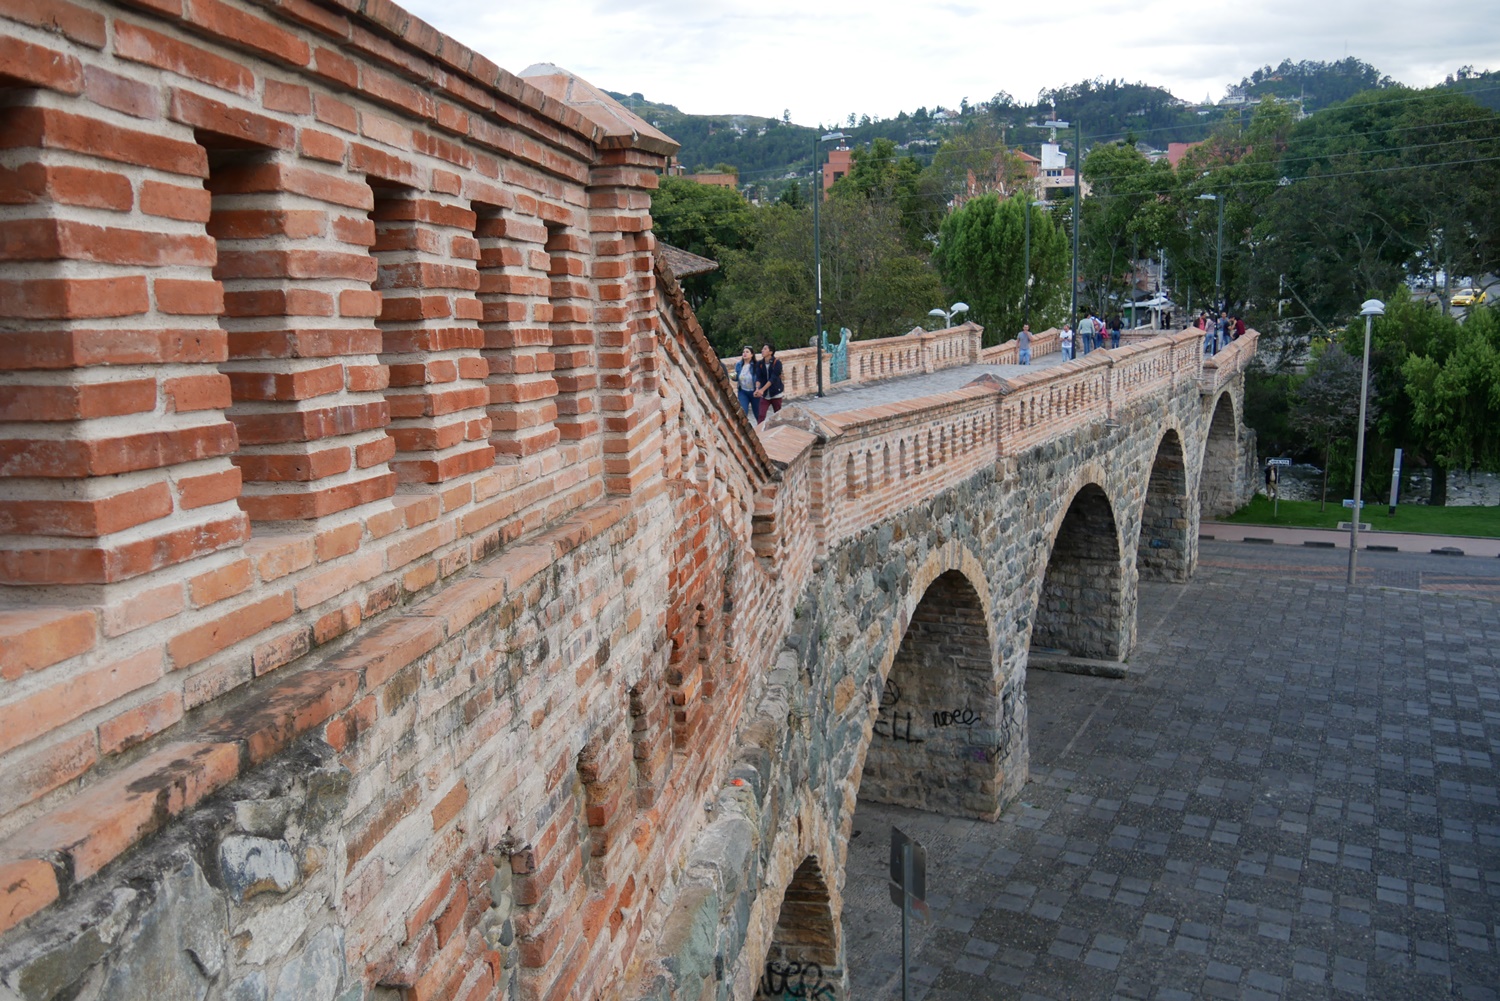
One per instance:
(817, 196)
(1026, 295)
(1077, 213)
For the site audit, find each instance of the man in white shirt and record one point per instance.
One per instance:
(1065, 340)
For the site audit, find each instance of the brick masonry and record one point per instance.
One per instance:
(391, 578)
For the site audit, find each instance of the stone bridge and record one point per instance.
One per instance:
(397, 603)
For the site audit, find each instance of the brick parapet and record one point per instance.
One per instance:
(204, 323)
(880, 358)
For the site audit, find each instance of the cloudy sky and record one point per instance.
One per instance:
(823, 59)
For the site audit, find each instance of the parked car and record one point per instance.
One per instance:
(1467, 297)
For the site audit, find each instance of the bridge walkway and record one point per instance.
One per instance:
(915, 387)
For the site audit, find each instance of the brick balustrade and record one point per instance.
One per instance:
(875, 460)
(343, 397)
(908, 354)
(880, 358)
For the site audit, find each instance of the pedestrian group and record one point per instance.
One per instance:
(1219, 331)
(759, 381)
(1093, 333)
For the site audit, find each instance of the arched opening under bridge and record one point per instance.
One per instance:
(937, 735)
(1167, 549)
(1084, 609)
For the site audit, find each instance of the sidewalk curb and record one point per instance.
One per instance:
(1321, 538)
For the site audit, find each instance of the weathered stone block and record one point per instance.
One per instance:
(252, 865)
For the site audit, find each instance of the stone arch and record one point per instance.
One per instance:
(1085, 608)
(940, 730)
(1216, 478)
(1168, 544)
(802, 960)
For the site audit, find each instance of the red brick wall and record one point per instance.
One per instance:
(304, 313)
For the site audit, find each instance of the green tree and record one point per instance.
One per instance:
(1392, 182)
(703, 219)
(878, 172)
(981, 255)
(1456, 400)
(1325, 404)
(1236, 164)
(1407, 329)
(1124, 215)
(872, 283)
(976, 161)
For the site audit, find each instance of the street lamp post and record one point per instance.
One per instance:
(1077, 128)
(1219, 254)
(949, 313)
(1077, 215)
(818, 249)
(1369, 310)
(1026, 296)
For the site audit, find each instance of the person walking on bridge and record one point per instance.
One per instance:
(1085, 334)
(1114, 330)
(1023, 344)
(1065, 341)
(768, 385)
(744, 381)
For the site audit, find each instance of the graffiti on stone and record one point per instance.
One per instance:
(891, 723)
(896, 726)
(955, 717)
(792, 979)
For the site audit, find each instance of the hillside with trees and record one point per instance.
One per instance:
(768, 152)
(1315, 83)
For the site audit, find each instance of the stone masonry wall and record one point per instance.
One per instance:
(820, 720)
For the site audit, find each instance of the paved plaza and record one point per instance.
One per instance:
(1293, 796)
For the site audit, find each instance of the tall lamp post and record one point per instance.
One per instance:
(818, 248)
(1026, 297)
(1077, 205)
(1219, 254)
(1369, 310)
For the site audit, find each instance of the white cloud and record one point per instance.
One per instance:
(823, 59)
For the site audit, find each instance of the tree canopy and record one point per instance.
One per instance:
(982, 253)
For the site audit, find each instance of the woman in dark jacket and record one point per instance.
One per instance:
(768, 385)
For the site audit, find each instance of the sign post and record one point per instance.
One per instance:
(1395, 482)
(908, 890)
(1273, 483)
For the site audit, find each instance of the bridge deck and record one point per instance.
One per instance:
(914, 387)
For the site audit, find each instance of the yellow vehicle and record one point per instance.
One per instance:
(1467, 297)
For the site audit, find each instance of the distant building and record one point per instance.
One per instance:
(840, 162)
(718, 180)
(730, 181)
(1176, 151)
(1055, 178)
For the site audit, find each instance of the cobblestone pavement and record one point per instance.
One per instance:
(914, 387)
(1293, 797)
